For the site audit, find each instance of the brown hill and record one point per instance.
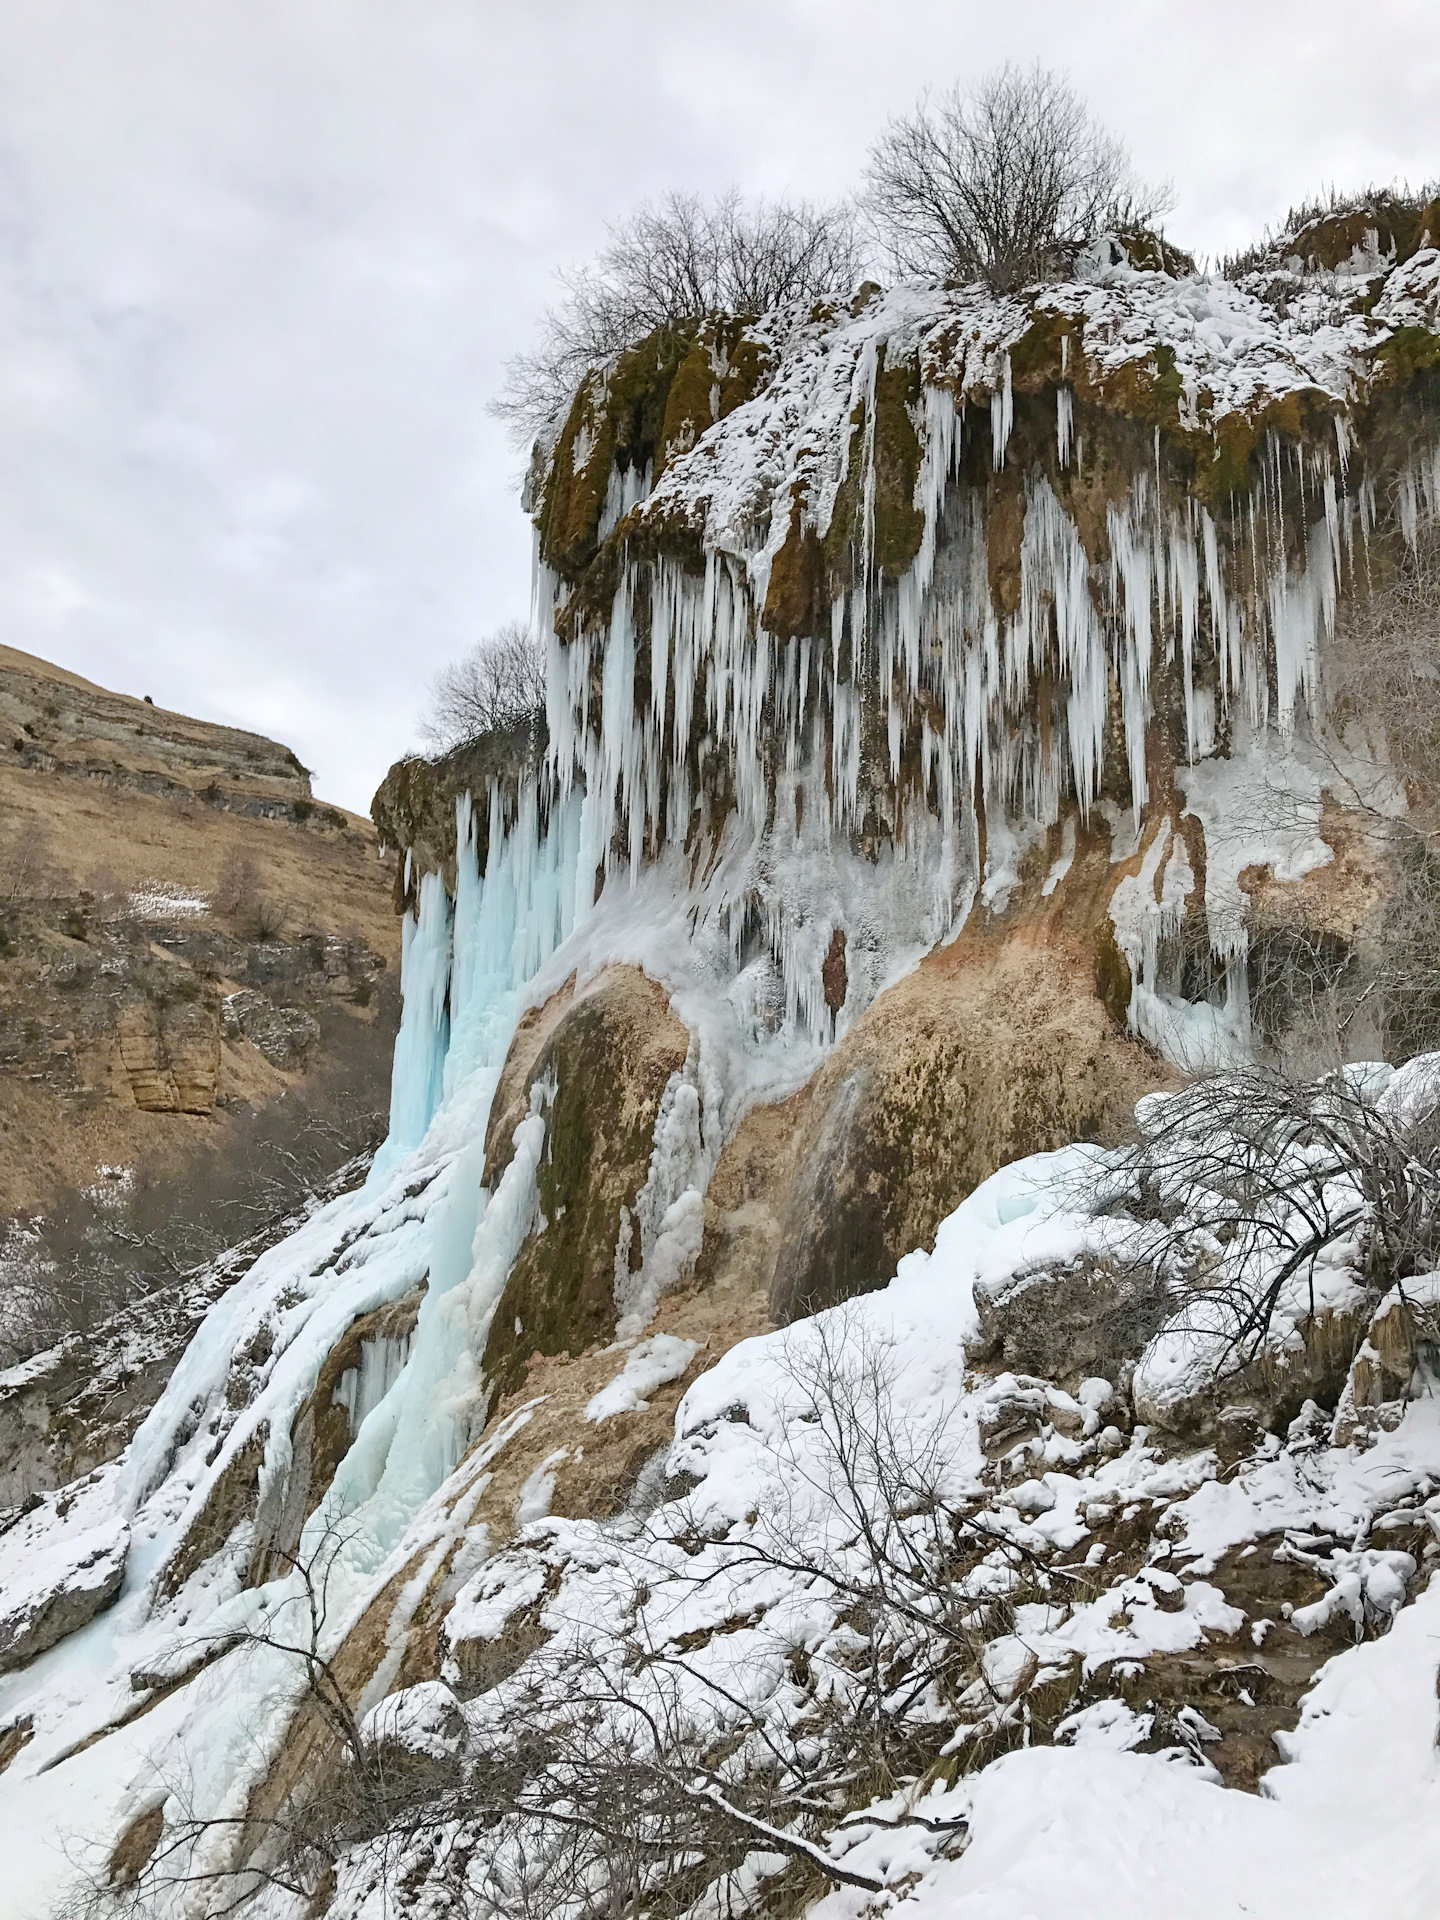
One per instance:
(199, 971)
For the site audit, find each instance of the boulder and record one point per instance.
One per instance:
(1088, 1319)
(285, 1035)
(1186, 1382)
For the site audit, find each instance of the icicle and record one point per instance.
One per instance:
(417, 1074)
(1064, 421)
(1002, 415)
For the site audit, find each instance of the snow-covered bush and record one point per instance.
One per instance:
(1268, 1203)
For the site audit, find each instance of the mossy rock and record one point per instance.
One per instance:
(231, 1500)
(689, 408)
(1408, 352)
(1151, 252)
(1226, 456)
(1041, 356)
(320, 1437)
(414, 805)
(1113, 986)
(609, 1052)
(1328, 242)
(722, 369)
(796, 601)
(616, 419)
(750, 365)
(899, 523)
(842, 534)
(979, 1057)
(576, 481)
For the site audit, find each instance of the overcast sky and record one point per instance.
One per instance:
(262, 262)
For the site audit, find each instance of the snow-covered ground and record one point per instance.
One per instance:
(1088, 1826)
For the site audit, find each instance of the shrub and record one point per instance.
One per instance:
(1248, 1184)
(255, 914)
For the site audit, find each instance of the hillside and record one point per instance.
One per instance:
(886, 1362)
(198, 993)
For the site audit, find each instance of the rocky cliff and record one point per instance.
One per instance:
(768, 1372)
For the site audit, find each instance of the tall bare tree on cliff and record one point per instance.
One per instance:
(1005, 182)
(498, 687)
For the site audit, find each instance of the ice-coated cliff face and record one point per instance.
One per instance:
(910, 581)
(869, 630)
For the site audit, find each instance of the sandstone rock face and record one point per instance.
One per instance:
(986, 1052)
(198, 997)
(61, 721)
(171, 1053)
(608, 1049)
(150, 866)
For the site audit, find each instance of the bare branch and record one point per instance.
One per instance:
(497, 688)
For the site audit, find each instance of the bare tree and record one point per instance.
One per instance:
(498, 687)
(256, 912)
(1005, 182)
(27, 866)
(672, 263)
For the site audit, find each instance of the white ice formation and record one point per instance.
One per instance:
(927, 717)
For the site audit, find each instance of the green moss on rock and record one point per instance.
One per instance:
(843, 532)
(796, 600)
(609, 1055)
(751, 363)
(1040, 357)
(688, 406)
(615, 420)
(899, 523)
(1408, 351)
(579, 473)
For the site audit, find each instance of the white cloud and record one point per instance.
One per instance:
(261, 262)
